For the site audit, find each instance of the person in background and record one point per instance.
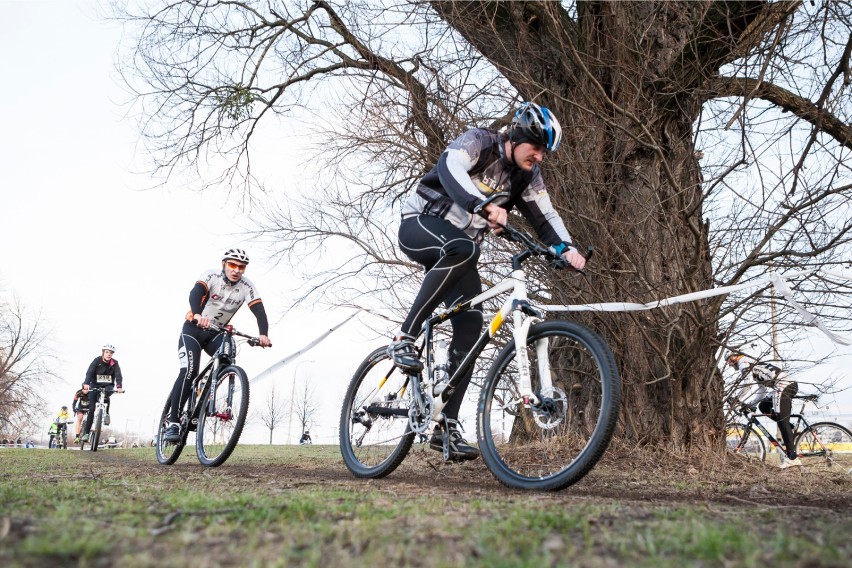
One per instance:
(772, 392)
(104, 372)
(80, 406)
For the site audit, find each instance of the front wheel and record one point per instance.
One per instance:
(95, 434)
(751, 448)
(222, 416)
(168, 452)
(375, 435)
(554, 444)
(826, 446)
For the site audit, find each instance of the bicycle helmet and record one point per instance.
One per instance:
(108, 347)
(236, 254)
(537, 125)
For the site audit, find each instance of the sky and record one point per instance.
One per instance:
(106, 259)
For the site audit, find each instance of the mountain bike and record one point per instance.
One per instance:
(60, 441)
(822, 445)
(216, 408)
(100, 410)
(546, 411)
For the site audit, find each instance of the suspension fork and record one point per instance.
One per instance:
(520, 332)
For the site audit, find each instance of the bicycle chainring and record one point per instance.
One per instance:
(420, 422)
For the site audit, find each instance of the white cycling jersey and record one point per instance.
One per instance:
(223, 297)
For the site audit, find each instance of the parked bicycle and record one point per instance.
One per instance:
(822, 445)
(100, 410)
(216, 408)
(546, 412)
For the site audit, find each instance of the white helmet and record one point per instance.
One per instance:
(108, 347)
(236, 254)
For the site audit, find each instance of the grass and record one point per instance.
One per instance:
(298, 506)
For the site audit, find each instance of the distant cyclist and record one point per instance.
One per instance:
(440, 231)
(59, 423)
(104, 372)
(80, 406)
(772, 393)
(215, 298)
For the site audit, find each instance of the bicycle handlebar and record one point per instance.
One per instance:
(555, 260)
(229, 329)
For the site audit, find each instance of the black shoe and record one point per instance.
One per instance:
(172, 433)
(460, 450)
(404, 354)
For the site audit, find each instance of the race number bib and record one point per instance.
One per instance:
(108, 379)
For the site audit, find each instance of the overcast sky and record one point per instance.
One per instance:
(102, 256)
(107, 259)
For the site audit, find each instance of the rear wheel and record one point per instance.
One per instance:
(168, 452)
(826, 446)
(375, 435)
(555, 444)
(752, 448)
(222, 416)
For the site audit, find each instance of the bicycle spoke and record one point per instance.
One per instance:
(825, 446)
(374, 428)
(554, 443)
(222, 417)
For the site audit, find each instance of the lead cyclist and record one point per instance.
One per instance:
(440, 231)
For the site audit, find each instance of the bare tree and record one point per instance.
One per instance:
(305, 407)
(273, 413)
(25, 366)
(705, 143)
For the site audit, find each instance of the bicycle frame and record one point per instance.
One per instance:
(222, 357)
(523, 316)
(753, 421)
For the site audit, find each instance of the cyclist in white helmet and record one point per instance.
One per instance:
(440, 231)
(215, 298)
(103, 372)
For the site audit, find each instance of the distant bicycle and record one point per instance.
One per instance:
(59, 440)
(547, 408)
(822, 445)
(216, 408)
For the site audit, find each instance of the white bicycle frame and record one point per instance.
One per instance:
(516, 283)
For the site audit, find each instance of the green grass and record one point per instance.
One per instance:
(298, 506)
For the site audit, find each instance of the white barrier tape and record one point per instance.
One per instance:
(774, 280)
(782, 287)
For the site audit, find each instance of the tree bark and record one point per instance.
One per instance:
(628, 158)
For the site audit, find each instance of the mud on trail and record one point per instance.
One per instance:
(620, 476)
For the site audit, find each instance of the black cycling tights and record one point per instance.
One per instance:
(785, 406)
(450, 258)
(192, 340)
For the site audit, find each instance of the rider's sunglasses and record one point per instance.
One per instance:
(235, 266)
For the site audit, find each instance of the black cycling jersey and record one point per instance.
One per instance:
(103, 373)
(473, 167)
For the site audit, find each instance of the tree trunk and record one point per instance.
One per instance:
(627, 180)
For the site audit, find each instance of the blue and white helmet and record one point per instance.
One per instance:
(108, 347)
(537, 125)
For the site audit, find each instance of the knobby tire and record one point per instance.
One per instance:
(373, 445)
(555, 446)
(209, 425)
